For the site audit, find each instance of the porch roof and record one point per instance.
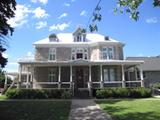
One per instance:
(82, 62)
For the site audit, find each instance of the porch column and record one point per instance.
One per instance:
(5, 83)
(90, 82)
(20, 73)
(141, 76)
(123, 77)
(32, 77)
(71, 77)
(59, 78)
(27, 83)
(135, 73)
(101, 77)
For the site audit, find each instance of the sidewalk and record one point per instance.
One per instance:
(86, 110)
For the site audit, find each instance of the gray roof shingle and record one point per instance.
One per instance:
(150, 63)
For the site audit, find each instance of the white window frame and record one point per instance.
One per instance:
(75, 51)
(110, 53)
(109, 74)
(106, 53)
(52, 52)
(52, 75)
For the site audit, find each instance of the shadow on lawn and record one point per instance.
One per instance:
(117, 112)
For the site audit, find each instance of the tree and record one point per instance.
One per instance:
(7, 8)
(124, 6)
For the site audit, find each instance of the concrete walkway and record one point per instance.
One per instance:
(86, 110)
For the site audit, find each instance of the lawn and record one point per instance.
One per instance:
(135, 109)
(34, 110)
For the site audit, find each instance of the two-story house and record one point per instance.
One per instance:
(78, 61)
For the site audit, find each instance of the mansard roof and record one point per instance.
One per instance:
(68, 38)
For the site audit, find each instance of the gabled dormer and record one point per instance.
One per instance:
(53, 38)
(80, 35)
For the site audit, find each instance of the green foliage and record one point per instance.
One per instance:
(156, 3)
(66, 95)
(7, 8)
(157, 85)
(132, 109)
(38, 94)
(123, 93)
(130, 7)
(2, 79)
(35, 110)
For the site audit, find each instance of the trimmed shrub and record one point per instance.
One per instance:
(66, 95)
(123, 93)
(38, 94)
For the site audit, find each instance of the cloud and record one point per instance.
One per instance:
(152, 20)
(83, 13)
(5, 55)
(67, 4)
(40, 1)
(73, 0)
(21, 15)
(63, 15)
(60, 27)
(40, 13)
(41, 24)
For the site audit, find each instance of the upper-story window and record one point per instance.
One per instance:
(79, 53)
(52, 54)
(107, 53)
(80, 38)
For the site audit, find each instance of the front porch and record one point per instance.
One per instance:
(78, 77)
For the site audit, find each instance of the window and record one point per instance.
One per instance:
(52, 75)
(107, 53)
(105, 75)
(79, 38)
(109, 74)
(79, 53)
(112, 74)
(110, 52)
(52, 54)
(104, 53)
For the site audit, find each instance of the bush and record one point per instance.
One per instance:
(38, 94)
(66, 95)
(157, 86)
(123, 93)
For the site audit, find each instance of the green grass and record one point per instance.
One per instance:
(34, 110)
(3, 97)
(136, 109)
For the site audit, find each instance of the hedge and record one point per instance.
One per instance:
(38, 94)
(123, 93)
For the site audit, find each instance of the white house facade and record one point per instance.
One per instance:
(78, 61)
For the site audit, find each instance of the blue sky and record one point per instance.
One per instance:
(36, 19)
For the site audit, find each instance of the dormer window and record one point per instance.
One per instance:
(80, 35)
(53, 38)
(80, 38)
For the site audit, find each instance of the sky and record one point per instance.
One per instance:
(37, 19)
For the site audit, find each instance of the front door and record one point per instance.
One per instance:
(80, 77)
